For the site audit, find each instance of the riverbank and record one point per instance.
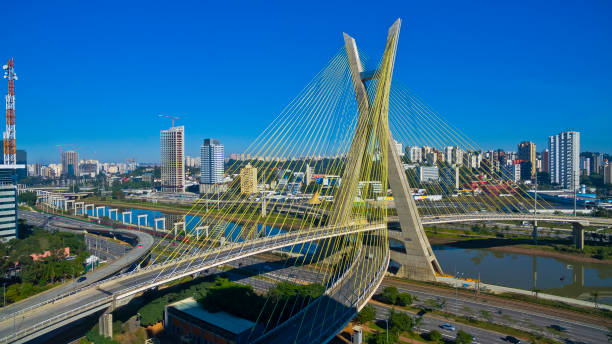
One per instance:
(282, 221)
(511, 245)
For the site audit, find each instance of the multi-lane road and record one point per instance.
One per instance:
(50, 222)
(580, 329)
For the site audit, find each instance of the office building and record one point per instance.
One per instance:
(22, 159)
(450, 177)
(564, 161)
(546, 161)
(70, 163)
(248, 180)
(512, 172)
(187, 321)
(428, 173)
(308, 175)
(585, 166)
(172, 142)
(212, 162)
(607, 172)
(415, 154)
(596, 161)
(398, 148)
(8, 203)
(527, 152)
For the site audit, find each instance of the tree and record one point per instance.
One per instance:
(463, 337)
(368, 313)
(404, 299)
(400, 321)
(389, 295)
(27, 197)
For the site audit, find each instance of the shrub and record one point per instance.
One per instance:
(463, 338)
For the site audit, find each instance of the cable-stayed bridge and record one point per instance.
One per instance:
(338, 141)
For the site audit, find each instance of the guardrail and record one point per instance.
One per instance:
(275, 241)
(27, 331)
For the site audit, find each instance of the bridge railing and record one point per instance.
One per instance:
(276, 240)
(53, 320)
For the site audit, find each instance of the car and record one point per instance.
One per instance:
(512, 340)
(81, 279)
(558, 328)
(447, 326)
(139, 245)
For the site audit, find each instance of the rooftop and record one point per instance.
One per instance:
(223, 320)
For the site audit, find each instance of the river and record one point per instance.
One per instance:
(523, 271)
(549, 275)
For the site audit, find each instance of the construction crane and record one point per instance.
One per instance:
(61, 146)
(9, 134)
(171, 117)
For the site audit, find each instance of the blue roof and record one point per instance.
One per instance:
(223, 320)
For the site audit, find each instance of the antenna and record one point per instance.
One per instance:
(9, 134)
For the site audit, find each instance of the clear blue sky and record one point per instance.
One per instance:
(96, 74)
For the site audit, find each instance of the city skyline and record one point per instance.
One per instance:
(529, 81)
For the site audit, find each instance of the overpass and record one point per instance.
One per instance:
(118, 290)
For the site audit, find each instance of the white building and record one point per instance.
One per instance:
(212, 162)
(398, 148)
(428, 173)
(172, 142)
(8, 203)
(415, 154)
(564, 161)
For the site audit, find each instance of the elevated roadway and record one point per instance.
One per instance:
(50, 222)
(117, 291)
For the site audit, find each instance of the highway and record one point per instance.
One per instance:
(503, 313)
(117, 291)
(46, 221)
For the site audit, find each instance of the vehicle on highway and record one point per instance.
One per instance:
(139, 245)
(447, 326)
(81, 279)
(558, 328)
(512, 340)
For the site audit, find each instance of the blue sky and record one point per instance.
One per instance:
(96, 74)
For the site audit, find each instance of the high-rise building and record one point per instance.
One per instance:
(308, 175)
(398, 148)
(546, 161)
(596, 161)
(564, 161)
(70, 163)
(415, 154)
(527, 152)
(607, 172)
(22, 159)
(585, 166)
(8, 203)
(212, 162)
(172, 143)
(248, 180)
